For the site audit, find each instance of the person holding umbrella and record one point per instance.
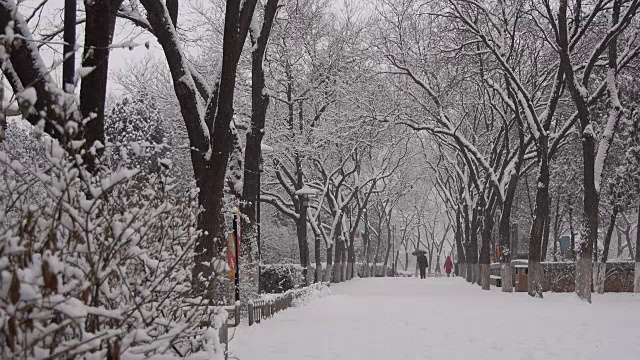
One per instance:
(423, 263)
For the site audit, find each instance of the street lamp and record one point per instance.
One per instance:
(264, 149)
(303, 195)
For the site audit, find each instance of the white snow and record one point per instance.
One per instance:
(444, 318)
(306, 190)
(265, 148)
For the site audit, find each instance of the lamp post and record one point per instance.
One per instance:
(303, 195)
(236, 245)
(264, 149)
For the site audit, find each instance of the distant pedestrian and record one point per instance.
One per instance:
(448, 265)
(422, 264)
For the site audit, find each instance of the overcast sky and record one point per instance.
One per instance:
(51, 18)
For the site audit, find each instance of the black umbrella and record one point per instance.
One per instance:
(418, 252)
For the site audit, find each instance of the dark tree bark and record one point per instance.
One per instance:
(468, 249)
(389, 239)
(259, 105)
(459, 248)
(210, 135)
(326, 277)
(100, 25)
(473, 247)
(572, 252)
(609, 234)
(556, 229)
(545, 236)
(602, 267)
(485, 260)
(25, 68)
(540, 214)
(301, 229)
(577, 89)
(636, 282)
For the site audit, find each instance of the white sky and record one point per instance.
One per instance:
(51, 18)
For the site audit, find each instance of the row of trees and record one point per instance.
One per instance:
(513, 88)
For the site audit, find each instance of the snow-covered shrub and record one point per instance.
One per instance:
(93, 268)
(279, 278)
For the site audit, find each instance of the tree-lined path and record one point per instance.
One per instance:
(440, 318)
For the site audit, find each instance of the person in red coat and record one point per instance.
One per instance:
(448, 265)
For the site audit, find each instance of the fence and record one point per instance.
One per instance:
(560, 276)
(271, 304)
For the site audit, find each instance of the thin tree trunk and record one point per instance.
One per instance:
(468, 247)
(572, 251)
(374, 271)
(253, 143)
(388, 251)
(100, 25)
(485, 261)
(326, 277)
(636, 282)
(458, 238)
(545, 238)
(303, 244)
(475, 226)
(602, 267)
(619, 238)
(318, 259)
(351, 258)
(541, 213)
(556, 229)
(337, 266)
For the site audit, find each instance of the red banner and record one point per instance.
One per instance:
(231, 256)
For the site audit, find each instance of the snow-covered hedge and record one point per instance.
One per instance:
(94, 268)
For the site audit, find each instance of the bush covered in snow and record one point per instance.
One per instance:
(90, 268)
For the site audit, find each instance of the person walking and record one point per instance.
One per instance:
(423, 263)
(448, 265)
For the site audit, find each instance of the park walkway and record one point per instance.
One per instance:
(440, 318)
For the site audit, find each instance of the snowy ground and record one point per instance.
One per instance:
(440, 318)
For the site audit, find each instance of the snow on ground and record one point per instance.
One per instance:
(441, 318)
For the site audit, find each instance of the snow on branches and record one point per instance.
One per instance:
(99, 267)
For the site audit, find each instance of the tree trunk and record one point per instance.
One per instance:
(468, 247)
(545, 236)
(351, 258)
(475, 265)
(619, 238)
(374, 267)
(253, 143)
(584, 264)
(395, 263)
(541, 213)
(98, 34)
(505, 236)
(337, 264)
(388, 251)
(318, 259)
(458, 239)
(636, 282)
(602, 268)
(485, 261)
(327, 275)
(343, 262)
(303, 244)
(556, 229)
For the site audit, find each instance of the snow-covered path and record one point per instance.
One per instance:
(441, 318)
